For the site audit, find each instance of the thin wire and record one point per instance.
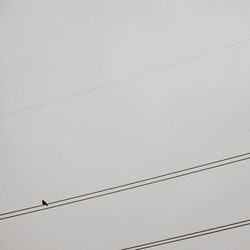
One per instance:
(190, 235)
(127, 184)
(59, 99)
(124, 189)
(172, 239)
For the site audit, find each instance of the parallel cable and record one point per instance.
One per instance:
(102, 86)
(127, 186)
(190, 235)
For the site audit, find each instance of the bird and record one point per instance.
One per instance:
(44, 203)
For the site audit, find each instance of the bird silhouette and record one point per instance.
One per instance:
(44, 203)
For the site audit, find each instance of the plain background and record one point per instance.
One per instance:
(188, 114)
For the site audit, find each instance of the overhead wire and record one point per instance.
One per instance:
(127, 186)
(190, 235)
(102, 86)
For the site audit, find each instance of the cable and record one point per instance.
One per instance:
(127, 186)
(190, 235)
(59, 99)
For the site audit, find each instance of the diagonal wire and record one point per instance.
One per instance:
(102, 86)
(123, 189)
(189, 235)
(128, 184)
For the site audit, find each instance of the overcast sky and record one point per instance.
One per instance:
(178, 117)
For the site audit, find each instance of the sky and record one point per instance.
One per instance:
(190, 113)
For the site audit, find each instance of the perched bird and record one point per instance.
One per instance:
(44, 203)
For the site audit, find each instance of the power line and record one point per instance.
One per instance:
(127, 186)
(131, 183)
(190, 235)
(59, 99)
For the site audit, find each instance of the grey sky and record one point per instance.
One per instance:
(185, 115)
